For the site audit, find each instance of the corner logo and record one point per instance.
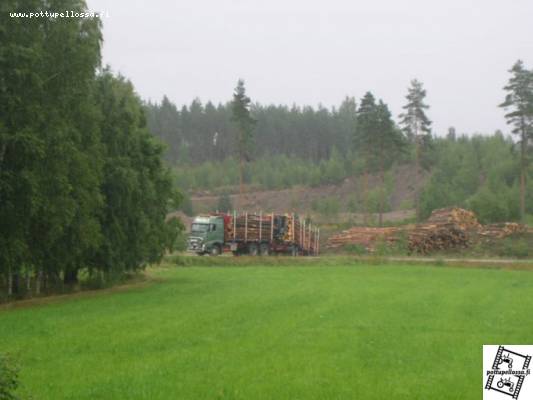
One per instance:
(506, 372)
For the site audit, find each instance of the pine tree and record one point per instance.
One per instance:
(245, 127)
(416, 126)
(519, 103)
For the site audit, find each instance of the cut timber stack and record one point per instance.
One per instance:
(363, 236)
(446, 228)
(253, 227)
(460, 218)
(503, 230)
(426, 238)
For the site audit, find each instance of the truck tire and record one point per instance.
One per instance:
(264, 249)
(215, 250)
(252, 249)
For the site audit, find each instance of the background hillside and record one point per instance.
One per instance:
(309, 160)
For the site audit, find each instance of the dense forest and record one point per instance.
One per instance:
(313, 146)
(83, 186)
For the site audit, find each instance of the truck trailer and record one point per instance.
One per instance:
(252, 234)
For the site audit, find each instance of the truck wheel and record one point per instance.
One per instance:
(215, 250)
(264, 249)
(252, 249)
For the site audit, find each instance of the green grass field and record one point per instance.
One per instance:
(303, 332)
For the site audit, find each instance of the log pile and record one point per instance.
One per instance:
(500, 231)
(446, 228)
(458, 217)
(363, 236)
(427, 238)
(251, 227)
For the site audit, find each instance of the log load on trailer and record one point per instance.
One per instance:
(253, 234)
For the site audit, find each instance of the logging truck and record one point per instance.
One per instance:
(252, 234)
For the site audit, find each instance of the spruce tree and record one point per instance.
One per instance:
(379, 143)
(245, 127)
(519, 104)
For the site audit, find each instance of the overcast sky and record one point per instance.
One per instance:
(309, 52)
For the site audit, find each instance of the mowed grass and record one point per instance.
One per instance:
(336, 332)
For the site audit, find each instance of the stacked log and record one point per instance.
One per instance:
(251, 227)
(366, 237)
(445, 229)
(501, 231)
(427, 238)
(460, 218)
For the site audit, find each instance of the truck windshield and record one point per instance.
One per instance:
(199, 227)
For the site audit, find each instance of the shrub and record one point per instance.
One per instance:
(328, 206)
(9, 380)
(224, 203)
(515, 247)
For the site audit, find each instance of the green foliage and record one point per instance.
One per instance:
(224, 203)
(275, 172)
(479, 173)
(9, 378)
(357, 249)
(519, 106)
(136, 186)
(516, 247)
(494, 205)
(327, 206)
(240, 107)
(82, 184)
(375, 197)
(414, 121)
(186, 205)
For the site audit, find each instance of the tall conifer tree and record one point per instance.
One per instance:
(519, 104)
(417, 128)
(245, 127)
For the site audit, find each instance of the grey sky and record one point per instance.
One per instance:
(310, 52)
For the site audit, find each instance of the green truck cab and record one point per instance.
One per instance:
(207, 235)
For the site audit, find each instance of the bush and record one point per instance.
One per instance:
(186, 205)
(328, 207)
(356, 249)
(224, 203)
(9, 380)
(516, 247)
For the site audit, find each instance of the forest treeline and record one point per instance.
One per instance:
(199, 132)
(312, 146)
(83, 186)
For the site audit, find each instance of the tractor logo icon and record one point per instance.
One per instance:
(506, 359)
(508, 372)
(506, 382)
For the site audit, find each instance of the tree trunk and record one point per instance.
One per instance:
(15, 283)
(417, 177)
(9, 282)
(382, 196)
(241, 179)
(3, 148)
(28, 281)
(70, 277)
(38, 279)
(523, 171)
(365, 197)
